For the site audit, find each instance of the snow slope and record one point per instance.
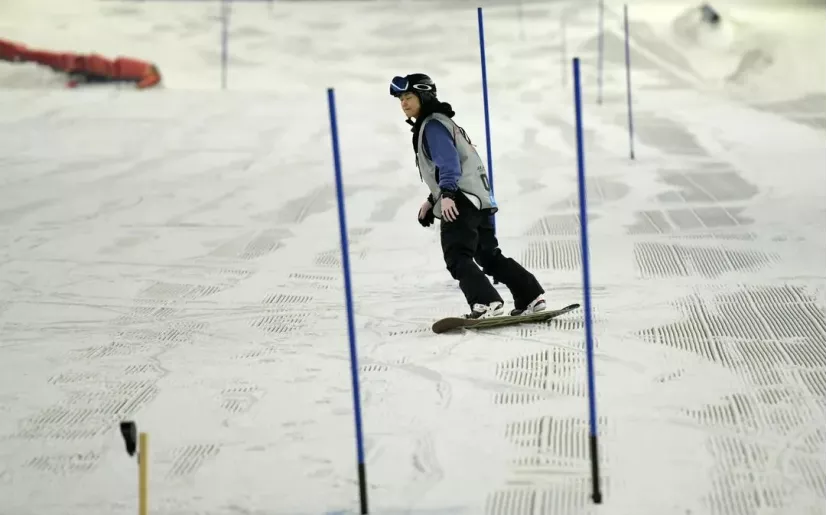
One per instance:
(172, 256)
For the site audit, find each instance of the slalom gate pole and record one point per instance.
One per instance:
(600, 45)
(481, 31)
(587, 300)
(628, 82)
(351, 326)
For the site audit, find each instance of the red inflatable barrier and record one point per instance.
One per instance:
(85, 68)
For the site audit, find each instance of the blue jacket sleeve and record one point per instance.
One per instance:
(444, 154)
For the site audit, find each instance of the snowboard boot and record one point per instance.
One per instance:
(536, 305)
(485, 310)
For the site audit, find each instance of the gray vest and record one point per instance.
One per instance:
(473, 180)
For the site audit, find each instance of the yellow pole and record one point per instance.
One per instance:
(143, 464)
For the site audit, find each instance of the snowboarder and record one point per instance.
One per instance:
(461, 198)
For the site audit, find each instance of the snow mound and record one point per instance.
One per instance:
(760, 52)
(722, 47)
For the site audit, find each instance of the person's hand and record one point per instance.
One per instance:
(449, 209)
(426, 214)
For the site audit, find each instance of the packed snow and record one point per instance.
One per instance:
(172, 257)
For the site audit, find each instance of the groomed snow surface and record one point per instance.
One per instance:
(172, 257)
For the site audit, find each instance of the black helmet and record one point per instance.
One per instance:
(417, 83)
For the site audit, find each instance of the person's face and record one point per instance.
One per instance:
(410, 104)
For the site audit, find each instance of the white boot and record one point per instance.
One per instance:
(486, 311)
(536, 305)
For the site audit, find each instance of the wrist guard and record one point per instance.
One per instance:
(447, 194)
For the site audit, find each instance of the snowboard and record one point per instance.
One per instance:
(455, 323)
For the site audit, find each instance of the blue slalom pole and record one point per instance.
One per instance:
(628, 82)
(351, 328)
(485, 105)
(600, 44)
(225, 22)
(587, 297)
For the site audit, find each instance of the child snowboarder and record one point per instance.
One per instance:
(461, 198)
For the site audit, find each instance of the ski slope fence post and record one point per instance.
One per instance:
(600, 45)
(143, 474)
(351, 326)
(587, 298)
(225, 23)
(138, 443)
(628, 81)
(481, 31)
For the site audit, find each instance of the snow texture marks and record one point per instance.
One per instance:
(88, 414)
(187, 460)
(667, 136)
(774, 338)
(553, 371)
(65, 464)
(657, 259)
(599, 191)
(678, 220)
(718, 186)
(552, 255)
(247, 248)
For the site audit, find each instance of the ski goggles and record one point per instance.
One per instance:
(401, 85)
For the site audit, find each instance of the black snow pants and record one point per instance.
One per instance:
(471, 238)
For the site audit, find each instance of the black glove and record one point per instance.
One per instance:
(428, 220)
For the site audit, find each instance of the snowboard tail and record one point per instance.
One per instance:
(455, 323)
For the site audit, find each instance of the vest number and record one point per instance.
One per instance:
(485, 182)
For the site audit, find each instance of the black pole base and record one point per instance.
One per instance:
(363, 490)
(597, 497)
